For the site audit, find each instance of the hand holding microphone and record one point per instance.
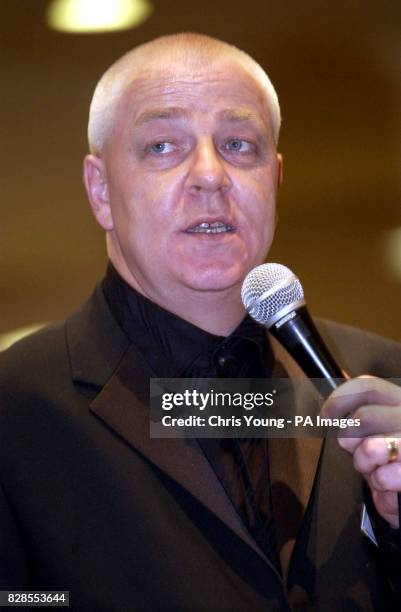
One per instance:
(274, 297)
(376, 453)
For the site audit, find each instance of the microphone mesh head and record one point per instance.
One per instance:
(269, 289)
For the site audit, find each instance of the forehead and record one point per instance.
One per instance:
(224, 90)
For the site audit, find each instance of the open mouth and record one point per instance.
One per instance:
(217, 227)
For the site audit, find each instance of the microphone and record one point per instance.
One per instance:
(274, 297)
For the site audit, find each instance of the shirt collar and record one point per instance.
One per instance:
(174, 347)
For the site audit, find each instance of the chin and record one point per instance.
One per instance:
(212, 279)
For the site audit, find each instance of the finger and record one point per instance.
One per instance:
(374, 419)
(359, 392)
(372, 453)
(386, 504)
(349, 444)
(386, 477)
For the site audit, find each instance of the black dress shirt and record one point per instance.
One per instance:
(175, 348)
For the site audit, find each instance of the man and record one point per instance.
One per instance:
(182, 176)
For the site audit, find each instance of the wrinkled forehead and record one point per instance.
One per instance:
(193, 85)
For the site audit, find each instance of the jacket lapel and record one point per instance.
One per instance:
(293, 461)
(101, 356)
(123, 404)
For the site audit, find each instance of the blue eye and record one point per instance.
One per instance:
(238, 145)
(161, 147)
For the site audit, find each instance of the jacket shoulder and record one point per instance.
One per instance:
(34, 359)
(361, 351)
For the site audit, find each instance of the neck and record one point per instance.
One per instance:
(217, 312)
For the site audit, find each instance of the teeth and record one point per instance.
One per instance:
(217, 227)
(218, 230)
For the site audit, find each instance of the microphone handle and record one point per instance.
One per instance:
(298, 334)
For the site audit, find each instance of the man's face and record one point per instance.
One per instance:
(192, 174)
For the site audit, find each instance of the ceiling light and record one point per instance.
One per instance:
(97, 15)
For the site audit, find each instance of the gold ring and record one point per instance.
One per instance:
(392, 447)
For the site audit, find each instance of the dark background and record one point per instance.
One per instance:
(336, 67)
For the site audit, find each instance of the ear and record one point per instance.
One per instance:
(279, 170)
(97, 189)
(279, 183)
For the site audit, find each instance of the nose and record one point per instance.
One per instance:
(207, 171)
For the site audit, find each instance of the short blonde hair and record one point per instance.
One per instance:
(184, 47)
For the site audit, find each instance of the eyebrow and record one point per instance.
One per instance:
(236, 115)
(232, 115)
(156, 114)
